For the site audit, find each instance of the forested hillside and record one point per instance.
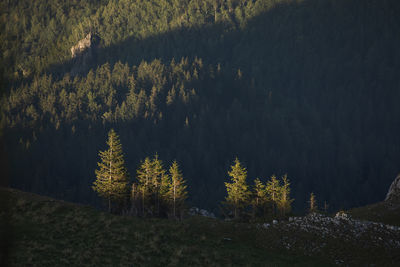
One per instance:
(308, 88)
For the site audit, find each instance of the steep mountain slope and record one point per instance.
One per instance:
(304, 87)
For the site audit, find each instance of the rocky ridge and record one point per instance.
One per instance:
(331, 234)
(394, 190)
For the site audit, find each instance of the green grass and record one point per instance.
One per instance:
(44, 232)
(387, 212)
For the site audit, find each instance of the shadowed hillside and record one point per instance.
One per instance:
(45, 231)
(308, 88)
(51, 232)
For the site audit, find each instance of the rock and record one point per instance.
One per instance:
(274, 222)
(394, 190)
(342, 215)
(196, 211)
(83, 53)
(206, 213)
(193, 211)
(82, 45)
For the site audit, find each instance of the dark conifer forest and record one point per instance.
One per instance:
(310, 88)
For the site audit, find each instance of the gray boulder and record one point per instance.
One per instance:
(341, 215)
(196, 211)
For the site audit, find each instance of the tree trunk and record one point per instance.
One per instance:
(174, 199)
(143, 202)
(109, 194)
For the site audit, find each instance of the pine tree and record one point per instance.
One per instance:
(260, 197)
(135, 197)
(111, 176)
(238, 190)
(144, 177)
(164, 193)
(177, 190)
(153, 184)
(158, 179)
(313, 203)
(273, 191)
(284, 201)
(326, 206)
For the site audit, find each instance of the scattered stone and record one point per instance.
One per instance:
(340, 227)
(196, 211)
(342, 215)
(339, 262)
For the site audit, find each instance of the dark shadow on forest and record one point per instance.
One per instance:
(300, 49)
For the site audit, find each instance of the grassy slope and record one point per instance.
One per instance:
(47, 232)
(385, 212)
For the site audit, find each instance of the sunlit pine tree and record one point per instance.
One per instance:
(163, 194)
(177, 193)
(260, 198)
(144, 176)
(273, 192)
(158, 180)
(111, 176)
(285, 202)
(238, 190)
(313, 203)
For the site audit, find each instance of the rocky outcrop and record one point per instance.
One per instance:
(82, 45)
(341, 227)
(84, 53)
(394, 190)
